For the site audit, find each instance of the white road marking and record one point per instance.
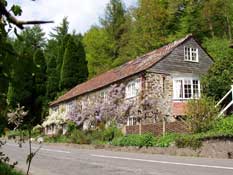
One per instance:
(43, 149)
(163, 162)
(54, 150)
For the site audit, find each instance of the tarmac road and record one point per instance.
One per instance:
(66, 160)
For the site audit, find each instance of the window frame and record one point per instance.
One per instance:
(188, 56)
(104, 95)
(69, 106)
(131, 121)
(176, 93)
(133, 88)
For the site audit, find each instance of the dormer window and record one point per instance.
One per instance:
(191, 54)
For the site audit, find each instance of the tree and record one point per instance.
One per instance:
(220, 76)
(24, 75)
(7, 18)
(113, 23)
(150, 19)
(97, 46)
(52, 84)
(74, 67)
(40, 104)
(61, 37)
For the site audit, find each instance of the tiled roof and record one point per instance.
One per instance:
(128, 69)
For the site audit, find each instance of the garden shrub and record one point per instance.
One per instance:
(111, 132)
(135, 140)
(167, 140)
(80, 137)
(188, 141)
(224, 125)
(7, 170)
(71, 126)
(148, 140)
(201, 114)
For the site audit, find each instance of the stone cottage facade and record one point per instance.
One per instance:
(152, 87)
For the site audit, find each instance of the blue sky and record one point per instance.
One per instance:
(82, 14)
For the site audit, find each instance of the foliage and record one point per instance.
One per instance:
(188, 141)
(52, 84)
(8, 170)
(135, 140)
(201, 114)
(77, 136)
(219, 78)
(110, 133)
(165, 141)
(224, 125)
(74, 67)
(97, 46)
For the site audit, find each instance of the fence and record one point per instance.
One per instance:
(157, 128)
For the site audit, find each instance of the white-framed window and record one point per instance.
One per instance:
(186, 88)
(104, 95)
(133, 88)
(191, 54)
(131, 121)
(69, 106)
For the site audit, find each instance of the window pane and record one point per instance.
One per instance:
(187, 89)
(186, 53)
(194, 54)
(178, 89)
(190, 54)
(195, 89)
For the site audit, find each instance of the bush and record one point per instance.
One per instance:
(148, 140)
(188, 141)
(201, 114)
(80, 137)
(135, 140)
(7, 170)
(71, 126)
(224, 125)
(167, 140)
(110, 133)
(17, 133)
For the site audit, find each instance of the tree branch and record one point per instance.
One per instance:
(12, 19)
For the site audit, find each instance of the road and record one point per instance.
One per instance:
(64, 160)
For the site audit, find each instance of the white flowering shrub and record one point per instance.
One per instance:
(56, 118)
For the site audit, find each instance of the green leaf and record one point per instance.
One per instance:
(16, 9)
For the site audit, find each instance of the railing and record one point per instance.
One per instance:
(230, 92)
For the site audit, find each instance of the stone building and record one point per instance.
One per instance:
(140, 92)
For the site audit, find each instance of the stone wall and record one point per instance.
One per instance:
(153, 86)
(160, 87)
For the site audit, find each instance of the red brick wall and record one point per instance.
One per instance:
(157, 128)
(132, 129)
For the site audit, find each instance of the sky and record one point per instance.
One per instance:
(82, 14)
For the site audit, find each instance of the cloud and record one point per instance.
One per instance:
(82, 14)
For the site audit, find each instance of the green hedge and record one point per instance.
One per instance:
(145, 140)
(135, 140)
